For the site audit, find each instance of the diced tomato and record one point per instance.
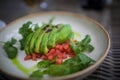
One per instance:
(66, 46)
(38, 55)
(59, 52)
(44, 57)
(61, 48)
(48, 54)
(59, 61)
(64, 56)
(27, 57)
(57, 46)
(59, 55)
(71, 54)
(50, 57)
(52, 51)
(55, 54)
(68, 50)
(34, 57)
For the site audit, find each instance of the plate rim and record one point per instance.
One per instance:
(83, 72)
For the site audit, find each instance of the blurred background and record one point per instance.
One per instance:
(106, 12)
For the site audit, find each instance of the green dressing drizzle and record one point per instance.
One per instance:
(25, 70)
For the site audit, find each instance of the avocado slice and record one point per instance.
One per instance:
(48, 40)
(65, 33)
(52, 35)
(38, 41)
(46, 37)
(51, 39)
(35, 36)
(43, 46)
(30, 40)
(27, 41)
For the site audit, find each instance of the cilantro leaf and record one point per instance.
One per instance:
(25, 30)
(82, 46)
(10, 49)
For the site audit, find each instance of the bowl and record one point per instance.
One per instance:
(80, 24)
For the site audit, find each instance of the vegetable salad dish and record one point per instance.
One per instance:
(58, 52)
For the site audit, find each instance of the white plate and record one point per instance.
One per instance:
(79, 24)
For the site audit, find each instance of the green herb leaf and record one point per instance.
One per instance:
(37, 74)
(58, 70)
(43, 64)
(81, 61)
(85, 60)
(36, 27)
(10, 49)
(72, 61)
(73, 64)
(22, 41)
(13, 41)
(75, 48)
(25, 30)
(86, 40)
(11, 52)
(90, 48)
(82, 46)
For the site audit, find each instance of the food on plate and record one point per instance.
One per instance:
(47, 37)
(59, 52)
(10, 49)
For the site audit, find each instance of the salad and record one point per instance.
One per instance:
(59, 53)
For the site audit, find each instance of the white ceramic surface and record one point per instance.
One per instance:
(80, 24)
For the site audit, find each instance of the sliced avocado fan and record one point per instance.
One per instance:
(46, 37)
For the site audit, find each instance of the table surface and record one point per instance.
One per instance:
(109, 69)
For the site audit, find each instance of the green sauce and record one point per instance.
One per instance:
(25, 70)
